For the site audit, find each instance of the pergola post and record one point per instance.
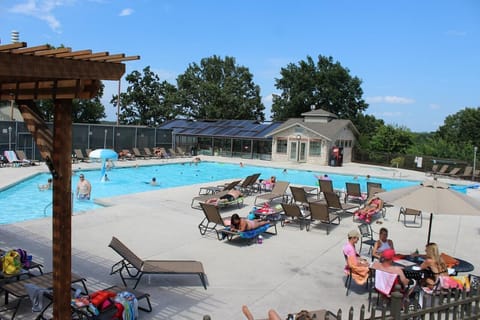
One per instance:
(62, 208)
(29, 74)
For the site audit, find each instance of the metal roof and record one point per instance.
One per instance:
(248, 129)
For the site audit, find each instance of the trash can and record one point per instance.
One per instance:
(336, 157)
(340, 157)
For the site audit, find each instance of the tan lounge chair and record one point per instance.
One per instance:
(210, 190)
(131, 267)
(353, 191)
(44, 281)
(467, 173)
(214, 222)
(319, 212)
(148, 152)
(249, 184)
(293, 213)
(412, 213)
(326, 186)
(278, 192)
(23, 158)
(301, 197)
(453, 172)
(215, 195)
(372, 188)
(138, 154)
(334, 203)
(442, 170)
(79, 156)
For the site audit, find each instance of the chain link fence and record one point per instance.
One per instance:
(15, 136)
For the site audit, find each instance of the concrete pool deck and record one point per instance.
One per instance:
(291, 271)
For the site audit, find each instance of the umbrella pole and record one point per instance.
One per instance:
(430, 228)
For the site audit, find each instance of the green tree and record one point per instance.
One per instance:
(83, 110)
(391, 139)
(325, 84)
(462, 127)
(367, 125)
(219, 89)
(147, 101)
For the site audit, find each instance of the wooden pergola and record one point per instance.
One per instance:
(35, 73)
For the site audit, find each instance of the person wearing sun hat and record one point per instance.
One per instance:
(359, 267)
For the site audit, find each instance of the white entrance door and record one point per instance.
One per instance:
(298, 151)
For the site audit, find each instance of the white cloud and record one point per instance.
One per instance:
(434, 106)
(43, 10)
(389, 100)
(126, 12)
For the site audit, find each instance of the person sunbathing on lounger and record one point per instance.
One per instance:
(373, 206)
(244, 224)
(229, 197)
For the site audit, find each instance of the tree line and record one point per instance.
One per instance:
(219, 88)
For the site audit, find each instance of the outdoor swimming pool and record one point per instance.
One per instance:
(24, 201)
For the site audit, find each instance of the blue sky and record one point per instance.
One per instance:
(418, 60)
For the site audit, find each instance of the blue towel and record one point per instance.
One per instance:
(255, 232)
(36, 296)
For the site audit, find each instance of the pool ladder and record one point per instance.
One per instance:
(51, 203)
(45, 209)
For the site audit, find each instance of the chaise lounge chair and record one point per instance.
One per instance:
(293, 213)
(319, 212)
(373, 187)
(248, 185)
(278, 192)
(79, 156)
(467, 173)
(334, 203)
(19, 290)
(353, 191)
(206, 197)
(442, 170)
(138, 154)
(302, 198)
(131, 267)
(209, 190)
(326, 186)
(214, 222)
(12, 158)
(23, 158)
(453, 172)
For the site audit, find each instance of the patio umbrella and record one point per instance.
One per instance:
(432, 196)
(104, 154)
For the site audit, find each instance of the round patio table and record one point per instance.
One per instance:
(463, 266)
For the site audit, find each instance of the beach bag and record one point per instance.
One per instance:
(11, 262)
(23, 257)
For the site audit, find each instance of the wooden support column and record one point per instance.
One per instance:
(62, 209)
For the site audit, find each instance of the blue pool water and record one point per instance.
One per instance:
(24, 201)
